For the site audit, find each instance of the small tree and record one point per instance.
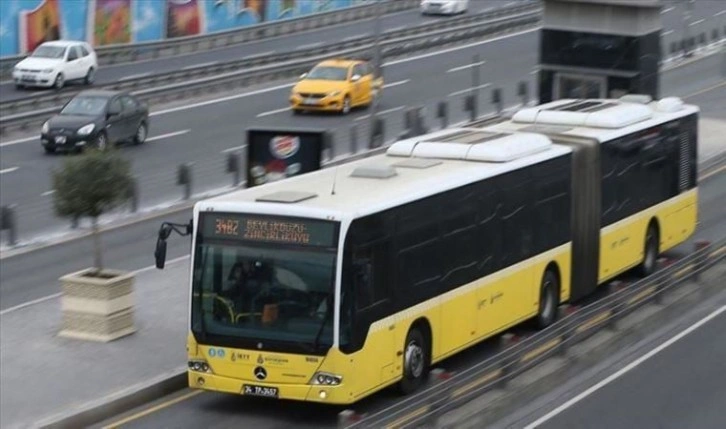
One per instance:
(90, 185)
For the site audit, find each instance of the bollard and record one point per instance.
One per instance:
(497, 100)
(184, 178)
(714, 35)
(523, 91)
(74, 222)
(134, 195)
(702, 249)
(328, 144)
(233, 160)
(470, 105)
(8, 223)
(377, 134)
(442, 112)
(420, 115)
(353, 139)
(702, 39)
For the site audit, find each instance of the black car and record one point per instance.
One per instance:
(96, 118)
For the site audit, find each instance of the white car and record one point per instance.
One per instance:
(444, 7)
(52, 64)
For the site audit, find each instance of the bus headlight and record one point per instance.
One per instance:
(199, 366)
(326, 379)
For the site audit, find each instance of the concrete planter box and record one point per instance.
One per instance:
(97, 308)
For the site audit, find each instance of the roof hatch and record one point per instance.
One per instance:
(287, 197)
(585, 113)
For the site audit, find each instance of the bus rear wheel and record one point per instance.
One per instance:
(548, 300)
(415, 361)
(650, 252)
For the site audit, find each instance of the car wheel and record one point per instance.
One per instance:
(296, 111)
(346, 105)
(49, 150)
(141, 133)
(19, 86)
(102, 142)
(90, 76)
(59, 81)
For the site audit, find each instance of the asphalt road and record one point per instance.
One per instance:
(202, 132)
(673, 382)
(394, 21)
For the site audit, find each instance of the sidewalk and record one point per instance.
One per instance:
(42, 375)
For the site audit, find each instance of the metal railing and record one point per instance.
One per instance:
(252, 71)
(425, 408)
(115, 54)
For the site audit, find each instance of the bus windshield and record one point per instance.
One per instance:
(266, 296)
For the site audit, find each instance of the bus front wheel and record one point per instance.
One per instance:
(415, 361)
(548, 300)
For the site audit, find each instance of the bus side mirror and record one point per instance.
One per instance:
(160, 253)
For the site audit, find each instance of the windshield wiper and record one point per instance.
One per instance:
(325, 321)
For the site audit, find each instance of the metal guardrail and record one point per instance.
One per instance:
(250, 71)
(196, 81)
(425, 408)
(115, 54)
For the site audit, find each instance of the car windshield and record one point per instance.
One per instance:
(279, 294)
(85, 106)
(328, 73)
(46, 51)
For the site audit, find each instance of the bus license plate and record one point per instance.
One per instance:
(252, 390)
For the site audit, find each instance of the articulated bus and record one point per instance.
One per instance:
(334, 284)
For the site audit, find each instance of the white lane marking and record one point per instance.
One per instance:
(467, 90)
(382, 112)
(221, 100)
(47, 193)
(259, 54)
(696, 22)
(624, 370)
(134, 76)
(535, 71)
(464, 67)
(457, 48)
(232, 149)
(310, 45)
(392, 84)
(8, 170)
(394, 29)
(168, 135)
(349, 38)
(56, 295)
(285, 109)
(18, 141)
(666, 10)
(665, 33)
(721, 13)
(273, 112)
(192, 66)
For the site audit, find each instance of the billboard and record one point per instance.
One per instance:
(275, 154)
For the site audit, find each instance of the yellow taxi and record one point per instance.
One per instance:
(336, 85)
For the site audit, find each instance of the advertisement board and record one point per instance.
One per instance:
(277, 153)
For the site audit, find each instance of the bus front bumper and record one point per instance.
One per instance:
(296, 392)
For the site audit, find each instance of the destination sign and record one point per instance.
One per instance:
(269, 229)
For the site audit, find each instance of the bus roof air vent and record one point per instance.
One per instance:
(585, 113)
(287, 197)
(509, 148)
(374, 172)
(417, 163)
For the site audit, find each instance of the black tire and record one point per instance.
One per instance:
(141, 133)
(549, 300)
(296, 112)
(59, 81)
(19, 86)
(101, 141)
(345, 109)
(416, 361)
(650, 252)
(90, 76)
(49, 150)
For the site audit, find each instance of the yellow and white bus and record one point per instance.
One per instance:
(332, 285)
